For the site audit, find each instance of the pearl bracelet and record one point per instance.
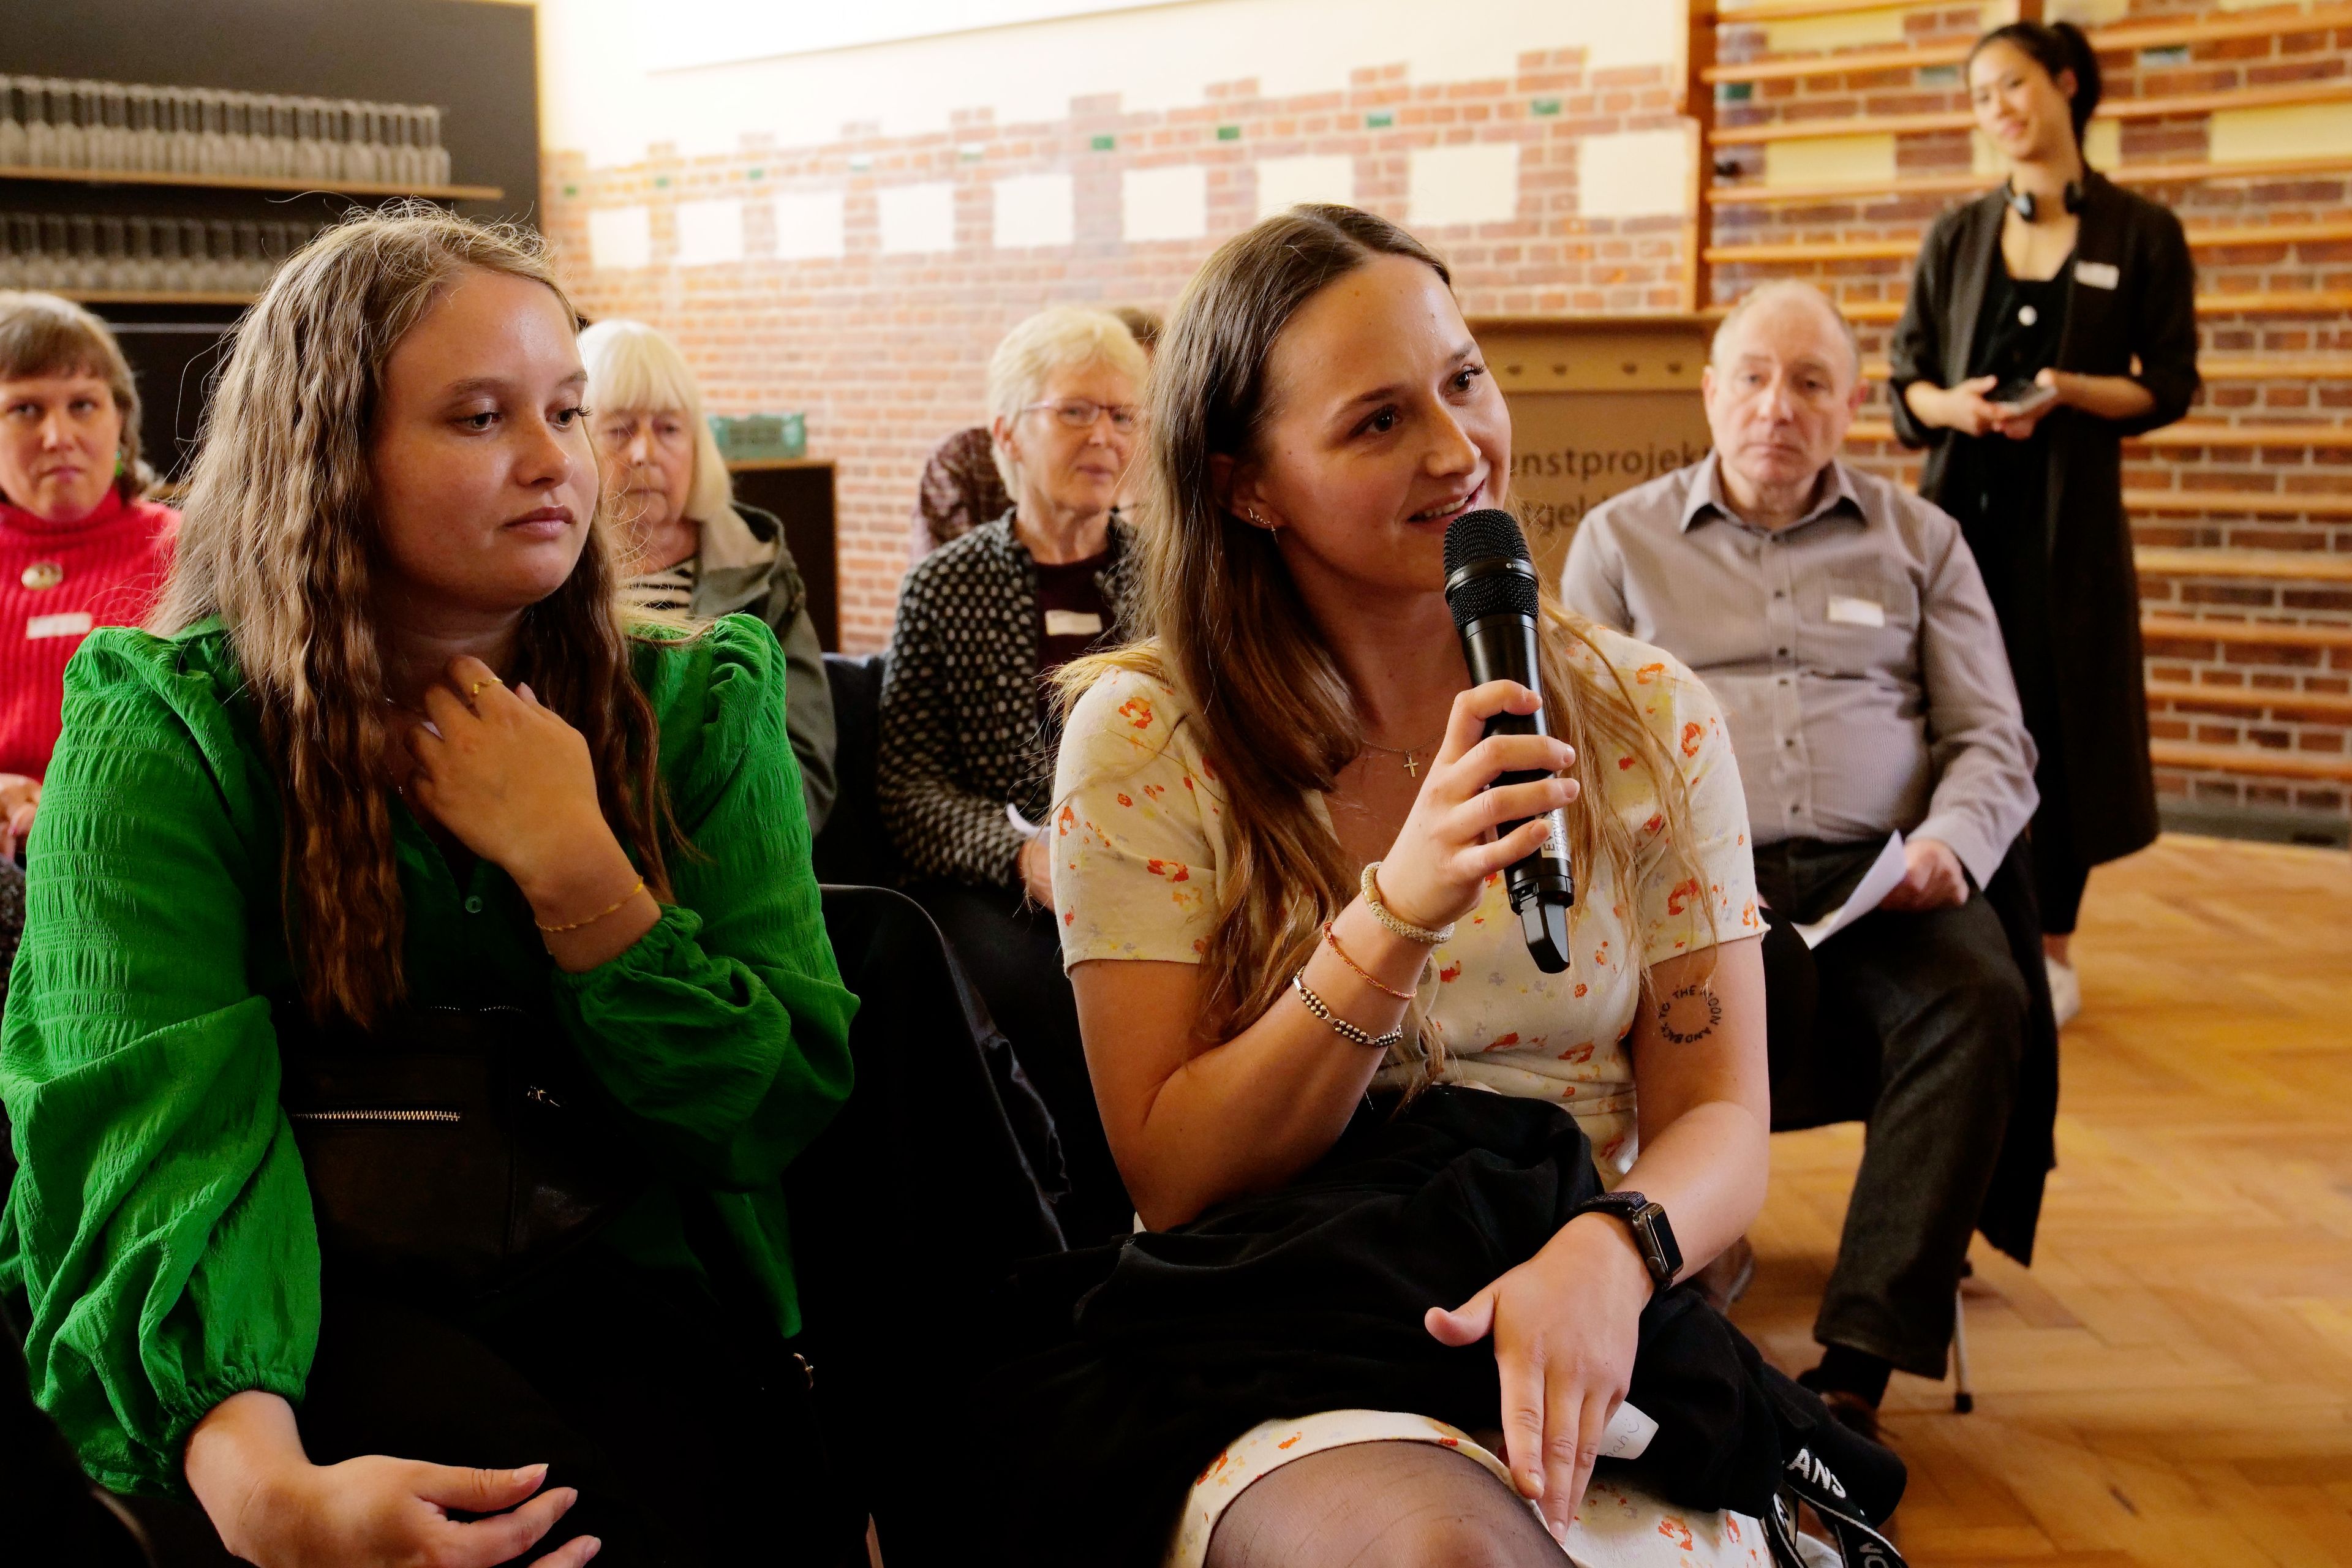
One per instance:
(1339, 1026)
(1370, 886)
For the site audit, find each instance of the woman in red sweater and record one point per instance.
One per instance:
(78, 548)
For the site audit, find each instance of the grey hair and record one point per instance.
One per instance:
(1781, 289)
(1057, 338)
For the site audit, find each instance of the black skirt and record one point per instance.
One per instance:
(1132, 1364)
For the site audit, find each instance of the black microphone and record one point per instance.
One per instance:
(1490, 586)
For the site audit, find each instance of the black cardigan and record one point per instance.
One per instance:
(960, 731)
(2151, 315)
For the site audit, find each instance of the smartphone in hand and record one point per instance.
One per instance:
(2022, 397)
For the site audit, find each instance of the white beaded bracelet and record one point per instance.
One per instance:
(1339, 1026)
(1370, 887)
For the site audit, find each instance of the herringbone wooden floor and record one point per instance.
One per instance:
(2171, 1383)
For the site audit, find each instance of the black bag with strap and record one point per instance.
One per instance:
(450, 1152)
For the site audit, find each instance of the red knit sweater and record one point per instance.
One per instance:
(58, 580)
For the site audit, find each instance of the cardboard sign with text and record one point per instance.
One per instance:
(1597, 407)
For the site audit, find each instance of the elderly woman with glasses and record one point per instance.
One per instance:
(968, 729)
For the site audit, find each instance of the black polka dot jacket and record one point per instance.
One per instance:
(962, 735)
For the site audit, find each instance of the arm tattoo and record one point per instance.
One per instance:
(1690, 1013)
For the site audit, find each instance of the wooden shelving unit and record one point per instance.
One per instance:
(248, 182)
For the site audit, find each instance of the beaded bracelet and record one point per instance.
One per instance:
(1339, 1026)
(1367, 976)
(1370, 887)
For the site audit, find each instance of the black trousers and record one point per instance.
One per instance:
(1013, 954)
(689, 1432)
(1916, 1030)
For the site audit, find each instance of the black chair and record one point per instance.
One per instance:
(854, 848)
(936, 1175)
(1818, 1081)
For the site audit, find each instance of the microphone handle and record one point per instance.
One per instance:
(1542, 885)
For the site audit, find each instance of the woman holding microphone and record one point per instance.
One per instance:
(2047, 321)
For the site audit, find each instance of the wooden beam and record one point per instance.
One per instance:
(2186, 433)
(2280, 566)
(251, 182)
(1698, 103)
(2334, 90)
(2260, 760)
(1939, 184)
(1905, 247)
(2288, 302)
(2155, 628)
(2258, 503)
(2266, 698)
(2106, 40)
(1787, 10)
(2287, 367)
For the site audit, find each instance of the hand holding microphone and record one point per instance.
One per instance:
(1448, 847)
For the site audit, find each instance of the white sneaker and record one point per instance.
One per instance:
(2065, 990)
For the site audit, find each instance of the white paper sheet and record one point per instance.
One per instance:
(1876, 883)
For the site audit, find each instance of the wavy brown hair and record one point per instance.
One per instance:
(1224, 624)
(279, 539)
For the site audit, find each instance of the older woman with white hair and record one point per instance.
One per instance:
(968, 729)
(696, 551)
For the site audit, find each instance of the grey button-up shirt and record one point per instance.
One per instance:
(1855, 652)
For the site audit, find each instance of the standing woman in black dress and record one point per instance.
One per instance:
(2049, 320)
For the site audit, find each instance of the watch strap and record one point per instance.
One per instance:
(1654, 1233)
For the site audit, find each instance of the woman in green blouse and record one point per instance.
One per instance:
(388, 745)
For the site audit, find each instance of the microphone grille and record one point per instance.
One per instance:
(1487, 534)
(1492, 593)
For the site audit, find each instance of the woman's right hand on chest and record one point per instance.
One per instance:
(1446, 849)
(275, 1508)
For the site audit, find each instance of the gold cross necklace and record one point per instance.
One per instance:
(1409, 755)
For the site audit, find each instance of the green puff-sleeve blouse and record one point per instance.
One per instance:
(159, 1227)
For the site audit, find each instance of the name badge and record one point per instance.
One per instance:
(2098, 274)
(1071, 623)
(65, 625)
(1853, 612)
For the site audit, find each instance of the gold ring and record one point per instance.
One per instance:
(476, 689)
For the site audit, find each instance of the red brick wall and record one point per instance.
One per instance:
(1837, 98)
(888, 353)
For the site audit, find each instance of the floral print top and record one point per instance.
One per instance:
(1139, 855)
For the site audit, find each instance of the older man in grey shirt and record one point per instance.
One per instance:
(1841, 623)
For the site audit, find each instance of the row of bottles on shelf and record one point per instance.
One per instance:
(95, 252)
(103, 127)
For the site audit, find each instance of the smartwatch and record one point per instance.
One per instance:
(1653, 1233)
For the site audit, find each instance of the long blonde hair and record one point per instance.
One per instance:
(1224, 624)
(279, 539)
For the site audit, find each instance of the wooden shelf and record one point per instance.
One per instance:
(249, 182)
(1943, 184)
(2288, 302)
(2253, 634)
(2259, 761)
(2252, 699)
(148, 297)
(2106, 40)
(2257, 503)
(759, 465)
(2231, 237)
(2186, 433)
(2275, 565)
(1791, 10)
(2332, 91)
(2213, 367)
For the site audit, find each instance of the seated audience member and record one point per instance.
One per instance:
(78, 548)
(389, 686)
(960, 487)
(1278, 894)
(1841, 621)
(968, 722)
(688, 546)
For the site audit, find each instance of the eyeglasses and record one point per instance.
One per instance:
(1081, 414)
